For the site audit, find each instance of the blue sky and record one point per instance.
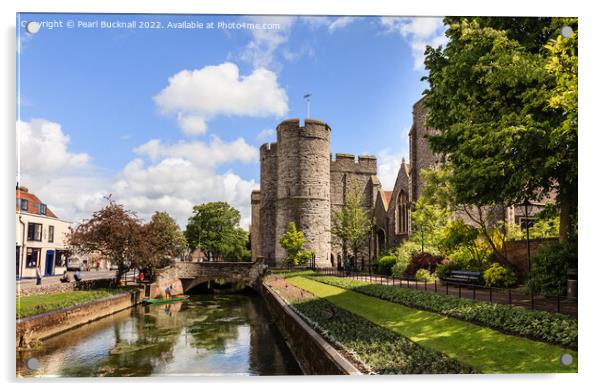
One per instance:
(165, 118)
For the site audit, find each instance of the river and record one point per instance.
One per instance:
(225, 334)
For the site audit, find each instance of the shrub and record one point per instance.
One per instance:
(385, 264)
(404, 254)
(463, 258)
(498, 275)
(540, 325)
(444, 268)
(384, 351)
(423, 261)
(550, 266)
(424, 275)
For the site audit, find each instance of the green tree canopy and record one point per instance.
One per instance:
(352, 224)
(506, 110)
(293, 241)
(214, 228)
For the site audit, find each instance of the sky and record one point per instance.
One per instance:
(163, 112)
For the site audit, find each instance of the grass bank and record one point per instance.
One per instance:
(482, 348)
(539, 325)
(39, 304)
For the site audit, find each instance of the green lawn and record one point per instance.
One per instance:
(38, 304)
(482, 348)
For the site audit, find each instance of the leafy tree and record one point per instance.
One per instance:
(214, 227)
(114, 232)
(428, 219)
(505, 104)
(166, 233)
(293, 241)
(352, 225)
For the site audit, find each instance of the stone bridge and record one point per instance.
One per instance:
(186, 275)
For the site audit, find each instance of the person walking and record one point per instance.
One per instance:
(38, 275)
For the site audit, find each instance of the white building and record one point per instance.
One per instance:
(40, 237)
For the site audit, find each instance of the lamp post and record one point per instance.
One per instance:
(528, 239)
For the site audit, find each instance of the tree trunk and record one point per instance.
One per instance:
(567, 200)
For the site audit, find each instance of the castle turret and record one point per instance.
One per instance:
(303, 185)
(267, 201)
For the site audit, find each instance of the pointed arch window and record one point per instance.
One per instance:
(401, 213)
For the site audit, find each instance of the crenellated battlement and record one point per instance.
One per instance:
(268, 150)
(346, 162)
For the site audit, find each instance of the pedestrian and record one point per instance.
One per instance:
(65, 277)
(77, 276)
(141, 276)
(168, 291)
(38, 276)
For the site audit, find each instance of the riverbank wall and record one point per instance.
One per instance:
(313, 353)
(60, 287)
(38, 327)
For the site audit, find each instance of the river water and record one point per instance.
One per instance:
(229, 334)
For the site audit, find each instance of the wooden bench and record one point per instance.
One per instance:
(464, 277)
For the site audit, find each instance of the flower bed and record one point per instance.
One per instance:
(378, 349)
(539, 325)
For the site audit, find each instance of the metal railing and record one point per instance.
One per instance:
(511, 296)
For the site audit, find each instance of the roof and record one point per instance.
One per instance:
(388, 195)
(33, 203)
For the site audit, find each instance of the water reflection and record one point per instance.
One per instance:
(208, 335)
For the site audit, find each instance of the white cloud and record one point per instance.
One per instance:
(199, 95)
(388, 168)
(266, 134)
(261, 49)
(176, 185)
(200, 153)
(176, 177)
(341, 22)
(61, 178)
(419, 31)
(192, 124)
(44, 148)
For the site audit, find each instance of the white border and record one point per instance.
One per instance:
(590, 286)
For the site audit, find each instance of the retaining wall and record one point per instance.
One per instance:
(313, 353)
(45, 325)
(59, 287)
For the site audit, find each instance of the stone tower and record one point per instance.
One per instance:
(421, 155)
(303, 185)
(267, 210)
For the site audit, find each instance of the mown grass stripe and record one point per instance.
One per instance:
(482, 348)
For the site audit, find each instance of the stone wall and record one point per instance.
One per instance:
(255, 232)
(191, 274)
(421, 156)
(516, 253)
(313, 353)
(267, 204)
(59, 287)
(51, 323)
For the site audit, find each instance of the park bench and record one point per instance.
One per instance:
(463, 277)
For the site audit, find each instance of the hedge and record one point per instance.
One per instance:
(539, 325)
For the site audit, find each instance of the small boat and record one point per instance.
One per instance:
(148, 300)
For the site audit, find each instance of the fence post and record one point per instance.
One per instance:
(532, 301)
(425, 284)
(557, 303)
(490, 294)
(510, 296)
(446, 288)
(435, 286)
(459, 290)
(474, 293)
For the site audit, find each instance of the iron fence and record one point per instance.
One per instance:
(511, 296)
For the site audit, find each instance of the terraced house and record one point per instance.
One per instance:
(40, 237)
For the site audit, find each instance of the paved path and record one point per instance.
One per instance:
(91, 275)
(515, 296)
